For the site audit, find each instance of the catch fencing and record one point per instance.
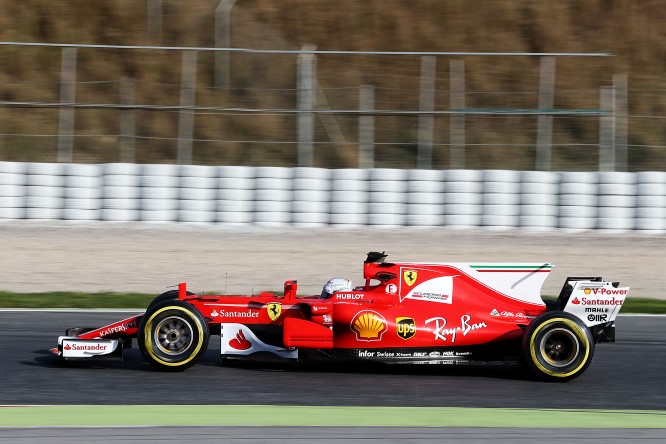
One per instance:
(241, 106)
(318, 197)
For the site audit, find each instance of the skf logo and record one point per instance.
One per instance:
(368, 326)
(410, 277)
(405, 327)
(274, 309)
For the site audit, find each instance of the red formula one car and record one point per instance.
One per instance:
(405, 313)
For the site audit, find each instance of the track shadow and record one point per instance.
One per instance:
(134, 361)
(499, 371)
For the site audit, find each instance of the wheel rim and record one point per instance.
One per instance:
(173, 335)
(559, 347)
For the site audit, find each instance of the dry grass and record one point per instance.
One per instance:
(632, 30)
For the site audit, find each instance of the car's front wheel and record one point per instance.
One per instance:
(558, 346)
(173, 335)
(166, 296)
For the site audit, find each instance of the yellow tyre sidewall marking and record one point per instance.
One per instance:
(580, 334)
(148, 336)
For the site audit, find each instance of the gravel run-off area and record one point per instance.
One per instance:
(41, 256)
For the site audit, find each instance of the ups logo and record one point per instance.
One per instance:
(405, 327)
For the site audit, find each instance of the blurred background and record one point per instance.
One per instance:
(289, 106)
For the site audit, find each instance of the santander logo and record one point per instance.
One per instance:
(239, 342)
(575, 301)
(85, 347)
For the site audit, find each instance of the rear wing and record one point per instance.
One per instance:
(595, 301)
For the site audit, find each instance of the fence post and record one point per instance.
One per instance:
(606, 130)
(366, 127)
(186, 116)
(544, 122)
(67, 99)
(328, 120)
(223, 40)
(457, 121)
(154, 20)
(306, 104)
(621, 123)
(127, 122)
(426, 104)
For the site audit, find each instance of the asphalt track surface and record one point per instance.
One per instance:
(627, 375)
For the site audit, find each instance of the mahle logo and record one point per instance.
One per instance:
(410, 277)
(405, 327)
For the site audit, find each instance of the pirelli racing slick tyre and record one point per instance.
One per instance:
(557, 346)
(166, 296)
(173, 335)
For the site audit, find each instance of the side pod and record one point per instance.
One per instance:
(299, 333)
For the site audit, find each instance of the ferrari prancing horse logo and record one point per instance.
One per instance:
(409, 276)
(274, 309)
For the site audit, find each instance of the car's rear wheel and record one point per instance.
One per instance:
(173, 335)
(558, 346)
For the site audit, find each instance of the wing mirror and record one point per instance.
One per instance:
(385, 276)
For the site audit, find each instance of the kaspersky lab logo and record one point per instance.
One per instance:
(405, 327)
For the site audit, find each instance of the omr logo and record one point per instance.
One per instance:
(575, 301)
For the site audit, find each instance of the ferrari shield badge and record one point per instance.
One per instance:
(274, 309)
(409, 276)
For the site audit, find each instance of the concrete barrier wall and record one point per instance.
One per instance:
(273, 196)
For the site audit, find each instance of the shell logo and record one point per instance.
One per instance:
(368, 326)
(587, 291)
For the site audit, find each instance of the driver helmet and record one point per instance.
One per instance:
(336, 284)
